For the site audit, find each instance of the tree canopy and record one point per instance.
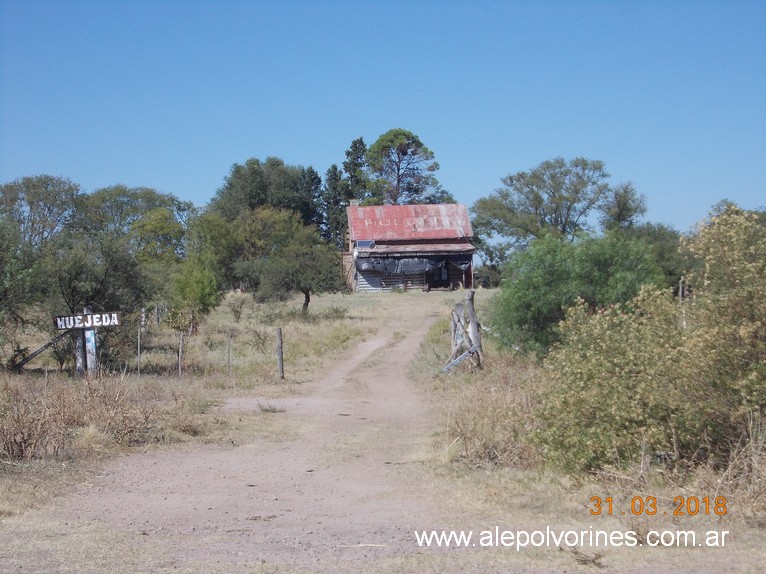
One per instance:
(285, 256)
(355, 168)
(270, 183)
(40, 206)
(557, 197)
(336, 195)
(403, 168)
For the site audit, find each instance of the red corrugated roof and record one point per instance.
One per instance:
(408, 222)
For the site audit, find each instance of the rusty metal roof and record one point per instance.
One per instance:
(409, 222)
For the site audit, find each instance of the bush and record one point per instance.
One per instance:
(616, 389)
(651, 377)
(540, 283)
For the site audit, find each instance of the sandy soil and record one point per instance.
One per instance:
(340, 488)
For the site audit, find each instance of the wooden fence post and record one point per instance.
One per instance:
(466, 334)
(228, 353)
(474, 331)
(138, 355)
(180, 351)
(280, 361)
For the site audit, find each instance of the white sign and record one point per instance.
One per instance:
(88, 321)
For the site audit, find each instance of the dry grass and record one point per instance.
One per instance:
(52, 423)
(488, 410)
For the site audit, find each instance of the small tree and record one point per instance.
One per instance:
(616, 386)
(557, 197)
(195, 292)
(305, 265)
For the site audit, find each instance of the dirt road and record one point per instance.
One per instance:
(343, 491)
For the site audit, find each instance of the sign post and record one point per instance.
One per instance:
(84, 331)
(91, 359)
(79, 352)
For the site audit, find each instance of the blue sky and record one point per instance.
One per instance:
(169, 94)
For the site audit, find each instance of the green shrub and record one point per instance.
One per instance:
(541, 282)
(651, 376)
(615, 387)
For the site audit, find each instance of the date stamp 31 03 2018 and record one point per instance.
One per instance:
(649, 506)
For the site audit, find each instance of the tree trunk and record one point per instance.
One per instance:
(306, 300)
(474, 330)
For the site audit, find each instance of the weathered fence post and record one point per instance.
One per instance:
(474, 332)
(141, 327)
(466, 334)
(138, 351)
(228, 353)
(458, 319)
(280, 361)
(180, 351)
(79, 351)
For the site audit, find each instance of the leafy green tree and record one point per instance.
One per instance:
(15, 280)
(555, 197)
(612, 269)
(158, 236)
(305, 265)
(308, 197)
(34, 213)
(542, 281)
(40, 206)
(220, 241)
(263, 232)
(665, 243)
(621, 207)
(147, 225)
(98, 270)
(120, 210)
(270, 183)
(245, 188)
(617, 388)
(195, 292)
(537, 285)
(403, 167)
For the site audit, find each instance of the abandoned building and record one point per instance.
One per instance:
(409, 247)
